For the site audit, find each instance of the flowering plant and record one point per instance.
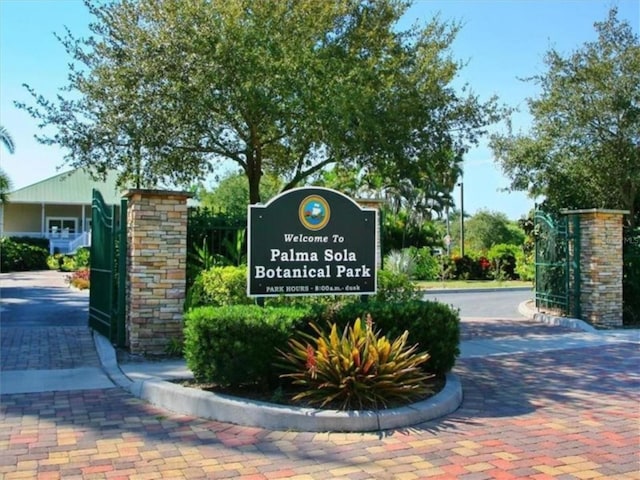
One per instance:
(360, 369)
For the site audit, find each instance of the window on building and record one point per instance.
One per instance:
(61, 227)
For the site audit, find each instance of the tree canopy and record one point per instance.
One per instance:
(231, 196)
(583, 150)
(485, 229)
(168, 90)
(5, 182)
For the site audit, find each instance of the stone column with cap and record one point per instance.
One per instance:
(601, 263)
(156, 269)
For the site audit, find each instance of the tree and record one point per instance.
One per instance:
(485, 229)
(583, 150)
(231, 195)
(5, 181)
(7, 140)
(168, 90)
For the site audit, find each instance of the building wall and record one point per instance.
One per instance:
(22, 218)
(27, 217)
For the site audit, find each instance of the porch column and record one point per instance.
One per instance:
(601, 265)
(156, 269)
(43, 224)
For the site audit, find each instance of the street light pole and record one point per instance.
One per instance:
(461, 185)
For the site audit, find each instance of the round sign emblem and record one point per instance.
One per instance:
(314, 212)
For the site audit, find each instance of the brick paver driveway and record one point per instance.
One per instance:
(566, 414)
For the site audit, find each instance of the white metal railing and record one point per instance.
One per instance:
(83, 240)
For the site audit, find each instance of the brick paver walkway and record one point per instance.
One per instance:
(571, 414)
(565, 414)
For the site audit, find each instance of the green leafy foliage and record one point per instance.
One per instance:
(213, 239)
(582, 150)
(434, 326)
(427, 265)
(399, 232)
(395, 287)
(401, 262)
(169, 91)
(219, 286)
(525, 266)
(485, 229)
(81, 259)
(236, 345)
(231, 196)
(503, 261)
(20, 256)
(361, 369)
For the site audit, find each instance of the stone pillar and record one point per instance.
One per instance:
(156, 269)
(375, 204)
(600, 265)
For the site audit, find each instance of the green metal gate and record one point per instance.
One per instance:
(557, 263)
(108, 269)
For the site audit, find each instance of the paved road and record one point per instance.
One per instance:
(492, 303)
(563, 414)
(27, 300)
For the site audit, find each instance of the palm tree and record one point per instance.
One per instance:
(5, 181)
(6, 139)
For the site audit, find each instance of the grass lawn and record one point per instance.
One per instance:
(426, 285)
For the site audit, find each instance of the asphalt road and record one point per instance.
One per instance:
(501, 303)
(26, 303)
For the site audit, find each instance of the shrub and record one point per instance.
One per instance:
(468, 268)
(33, 241)
(54, 262)
(427, 266)
(434, 326)
(525, 266)
(395, 287)
(70, 262)
(503, 261)
(83, 257)
(401, 262)
(219, 286)
(17, 256)
(359, 370)
(80, 279)
(236, 345)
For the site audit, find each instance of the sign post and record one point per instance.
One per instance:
(311, 241)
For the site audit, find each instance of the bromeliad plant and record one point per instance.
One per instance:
(359, 370)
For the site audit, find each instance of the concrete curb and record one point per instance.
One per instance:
(240, 411)
(109, 361)
(530, 312)
(476, 290)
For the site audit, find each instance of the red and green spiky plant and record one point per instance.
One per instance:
(361, 369)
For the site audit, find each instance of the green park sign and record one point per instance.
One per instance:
(311, 241)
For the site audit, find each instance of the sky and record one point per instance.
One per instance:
(500, 42)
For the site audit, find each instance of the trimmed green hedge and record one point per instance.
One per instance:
(18, 255)
(237, 345)
(434, 326)
(219, 286)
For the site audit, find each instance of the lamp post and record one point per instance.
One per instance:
(461, 185)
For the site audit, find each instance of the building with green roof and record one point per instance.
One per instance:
(58, 208)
